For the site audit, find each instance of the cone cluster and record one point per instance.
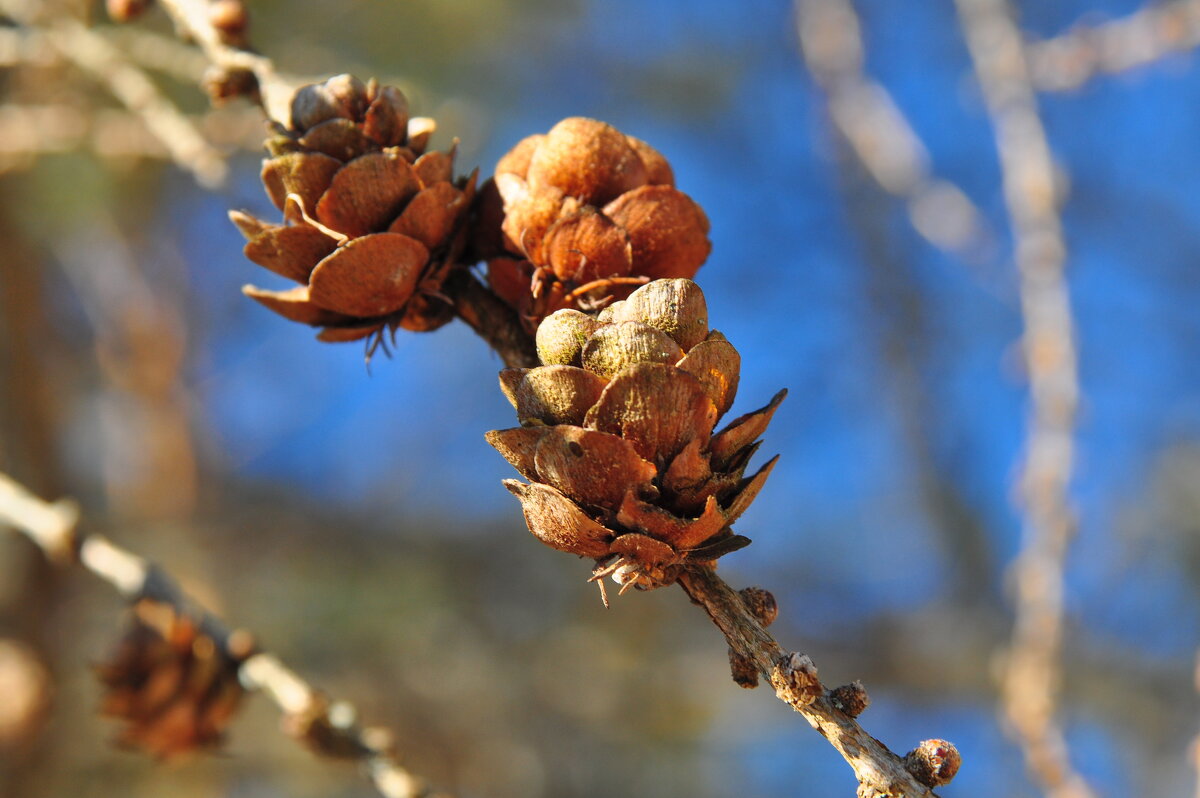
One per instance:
(372, 221)
(176, 687)
(576, 214)
(617, 441)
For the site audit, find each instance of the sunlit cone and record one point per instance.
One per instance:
(372, 222)
(175, 687)
(575, 217)
(616, 436)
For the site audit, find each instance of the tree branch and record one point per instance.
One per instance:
(29, 132)
(794, 677)
(491, 319)
(1066, 62)
(96, 55)
(1032, 674)
(192, 18)
(866, 115)
(55, 530)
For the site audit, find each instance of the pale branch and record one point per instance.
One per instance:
(864, 112)
(160, 53)
(30, 47)
(1084, 52)
(192, 18)
(28, 132)
(1029, 693)
(55, 530)
(107, 63)
(22, 47)
(794, 677)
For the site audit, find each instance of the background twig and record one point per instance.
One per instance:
(130, 85)
(1155, 32)
(192, 17)
(1032, 673)
(54, 528)
(866, 115)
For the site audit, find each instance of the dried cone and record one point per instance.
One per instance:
(372, 222)
(175, 686)
(616, 436)
(582, 212)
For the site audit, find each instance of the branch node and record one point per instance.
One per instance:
(933, 762)
(765, 609)
(743, 669)
(761, 603)
(795, 679)
(327, 728)
(850, 699)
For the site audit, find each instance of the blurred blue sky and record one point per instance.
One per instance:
(719, 88)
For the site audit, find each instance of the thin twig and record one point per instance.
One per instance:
(192, 17)
(160, 53)
(28, 132)
(794, 677)
(866, 115)
(30, 47)
(24, 47)
(1032, 675)
(96, 55)
(1150, 34)
(54, 528)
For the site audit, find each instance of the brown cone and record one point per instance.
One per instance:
(372, 222)
(175, 687)
(582, 212)
(617, 436)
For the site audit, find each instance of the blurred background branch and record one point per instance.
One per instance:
(1033, 670)
(329, 728)
(867, 116)
(1069, 60)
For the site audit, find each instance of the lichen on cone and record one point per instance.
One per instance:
(372, 221)
(574, 217)
(617, 442)
(176, 687)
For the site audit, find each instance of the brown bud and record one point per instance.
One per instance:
(933, 762)
(761, 604)
(850, 699)
(125, 10)
(224, 83)
(743, 670)
(325, 728)
(230, 19)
